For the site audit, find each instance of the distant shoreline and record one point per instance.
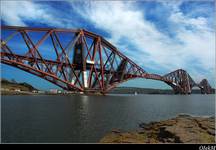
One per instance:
(136, 91)
(15, 93)
(14, 88)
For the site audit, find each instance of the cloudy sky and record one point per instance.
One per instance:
(161, 36)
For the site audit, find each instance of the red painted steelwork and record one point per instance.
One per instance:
(79, 60)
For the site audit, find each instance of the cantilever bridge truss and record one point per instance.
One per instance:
(79, 60)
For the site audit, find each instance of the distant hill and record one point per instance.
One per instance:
(132, 90)
(12, 85)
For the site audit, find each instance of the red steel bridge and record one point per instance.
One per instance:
(79, 60)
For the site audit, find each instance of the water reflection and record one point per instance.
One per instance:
(88, 118)
(84, 105)
(84, 99)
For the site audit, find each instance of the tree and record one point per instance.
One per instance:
(13, 81)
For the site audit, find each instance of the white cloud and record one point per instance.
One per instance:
(18, 12)
(122, 20)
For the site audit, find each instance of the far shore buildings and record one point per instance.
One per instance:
(53, 91)
(56, 91)
(11, 89)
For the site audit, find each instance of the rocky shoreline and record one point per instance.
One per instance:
(182, 129)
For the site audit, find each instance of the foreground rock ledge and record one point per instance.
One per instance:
(182, 129)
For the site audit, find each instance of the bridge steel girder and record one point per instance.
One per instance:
(205, 87)
(75, 60)
(79, 60)
(181, 81)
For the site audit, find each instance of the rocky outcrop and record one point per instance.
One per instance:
(182, 129)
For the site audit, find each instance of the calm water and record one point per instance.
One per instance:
(88, 118)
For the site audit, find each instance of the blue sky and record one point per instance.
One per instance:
(161, 36)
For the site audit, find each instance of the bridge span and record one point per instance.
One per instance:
(79, 60)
